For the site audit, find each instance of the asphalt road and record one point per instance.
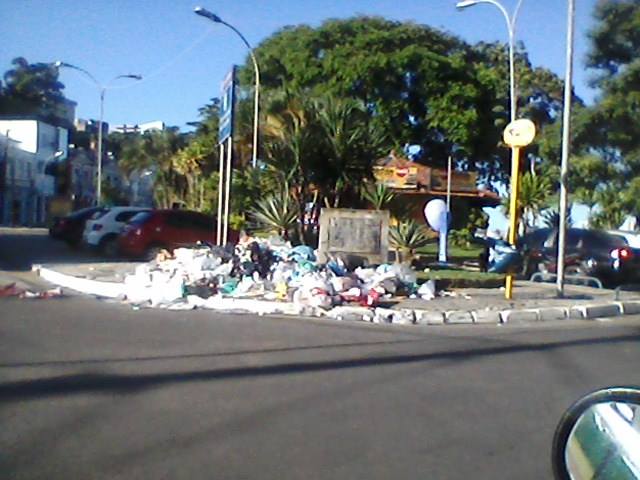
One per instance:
(91, 389)
(22, 247)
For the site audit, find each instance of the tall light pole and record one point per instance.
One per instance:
(214, 18)
(102, 88)
(566, 145)
(511, 28)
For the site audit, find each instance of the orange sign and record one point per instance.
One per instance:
(396, 177)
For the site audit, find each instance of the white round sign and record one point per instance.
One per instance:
(435, 212)
(519, 133)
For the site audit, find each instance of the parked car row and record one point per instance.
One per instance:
(594, 253)
(135, 231)
(588, 253)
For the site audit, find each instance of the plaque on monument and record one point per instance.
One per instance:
(362, 233)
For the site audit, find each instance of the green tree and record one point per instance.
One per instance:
(157, 150)
(276, 213)
(533, 197)
(406, 237)
(615, 119)
(352, 146)
(418, 85)
(32, 88)
(293, 147)
(377, 195)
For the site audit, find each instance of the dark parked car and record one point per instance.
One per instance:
(70, 228)
(593, 253)
(149, 232)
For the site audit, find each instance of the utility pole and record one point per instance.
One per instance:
(566, 146)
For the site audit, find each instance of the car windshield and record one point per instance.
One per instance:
(99, 213)
(140, 218)
(85, 212)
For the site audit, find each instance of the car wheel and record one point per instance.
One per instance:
(74, 244)
(109, 246)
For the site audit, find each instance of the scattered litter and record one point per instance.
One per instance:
(12, 290)
(52, 293)
(445, 293)
(427, 290)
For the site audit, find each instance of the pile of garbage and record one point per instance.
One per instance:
(267, 276)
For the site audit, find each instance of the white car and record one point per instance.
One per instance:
(101, 231)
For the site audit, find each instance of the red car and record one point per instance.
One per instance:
(149, 232)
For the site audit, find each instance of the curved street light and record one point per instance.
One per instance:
(203, 12)
(511, 28)
(102, 88)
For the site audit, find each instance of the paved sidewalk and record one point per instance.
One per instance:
(531, 302)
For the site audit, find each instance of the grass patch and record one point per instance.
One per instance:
(453, 251)
(462, 279)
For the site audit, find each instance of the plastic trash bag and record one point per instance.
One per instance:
(337, 267)
(302, 253)
(365, 274)
(427, 291)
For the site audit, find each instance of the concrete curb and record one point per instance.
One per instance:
(83, 285)
(589, 312)
(486, 316)
(389, 316)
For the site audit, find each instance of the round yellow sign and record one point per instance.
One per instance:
(519, 133)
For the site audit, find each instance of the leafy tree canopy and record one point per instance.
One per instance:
(417, 84)
(31, 88)
(614, 122)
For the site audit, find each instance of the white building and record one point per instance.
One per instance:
(27, 148)
(157, 125)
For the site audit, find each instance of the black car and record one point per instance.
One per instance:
(593, 253)
(70, 228)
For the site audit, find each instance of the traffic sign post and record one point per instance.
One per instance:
(225, 138)
(517, 135)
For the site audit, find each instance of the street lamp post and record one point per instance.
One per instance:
(214, 18)
(511, 28)
(102, 88)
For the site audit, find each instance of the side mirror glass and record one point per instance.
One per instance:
(599, 437)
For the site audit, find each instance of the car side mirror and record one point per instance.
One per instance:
(598, 437)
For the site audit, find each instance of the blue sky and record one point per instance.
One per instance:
(183, 58)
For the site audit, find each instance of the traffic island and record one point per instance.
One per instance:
(533, 302)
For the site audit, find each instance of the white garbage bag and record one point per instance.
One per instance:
(427, 291)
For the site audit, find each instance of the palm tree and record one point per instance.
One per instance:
(352, 146)
(533, 197)
(551, 218)
(276, 213)
(378, 195)
(293, 147)
(406, 238)
(157, 149)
